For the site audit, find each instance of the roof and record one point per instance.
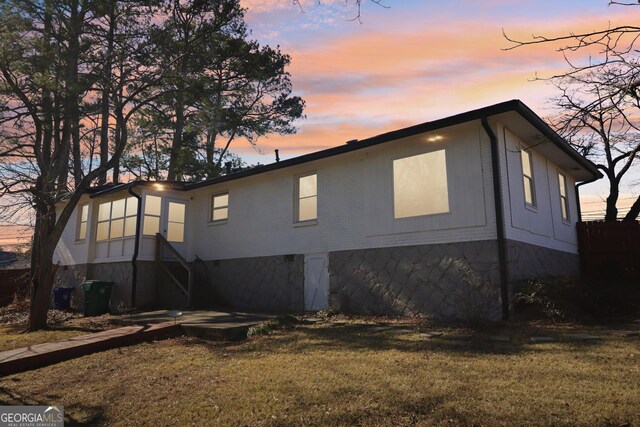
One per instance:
(514, 105)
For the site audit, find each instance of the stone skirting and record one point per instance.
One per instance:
(456, 280)
(274, 283)
(526, 261)
(117, 272)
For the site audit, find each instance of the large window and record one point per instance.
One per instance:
(420, 185)
(564, 201)
(83, 219)
(117, 219)
(219, 207)
(307, 198)
(527, 177)
(152, 209)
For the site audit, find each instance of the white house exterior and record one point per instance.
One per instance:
(437, 219)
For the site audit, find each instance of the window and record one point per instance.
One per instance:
(564, 201)
(152, 208)
(420, 185)
(175, 222)
(307, 198)
(527, 178)
(219, 207)
(117, 219)
(83, 219)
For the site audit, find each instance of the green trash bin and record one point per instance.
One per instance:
(97, 294)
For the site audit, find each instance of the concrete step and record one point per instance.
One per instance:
(39, 355)
(217, 332)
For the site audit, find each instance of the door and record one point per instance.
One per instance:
(174, 224)
(316, 282)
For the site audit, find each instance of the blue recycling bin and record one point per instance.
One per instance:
(62, 298)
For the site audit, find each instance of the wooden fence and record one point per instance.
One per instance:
(609, 249)
(12, 282)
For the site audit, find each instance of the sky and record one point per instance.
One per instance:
(415, 61)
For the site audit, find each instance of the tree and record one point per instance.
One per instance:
(218, 86)
(595, 118)
(50, 66)
(600, 100)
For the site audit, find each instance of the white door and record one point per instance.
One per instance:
(316, 282)
(174, 224)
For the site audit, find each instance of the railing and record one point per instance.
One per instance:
(161, 242)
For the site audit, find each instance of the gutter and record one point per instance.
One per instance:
(134, 257)
(500, 229)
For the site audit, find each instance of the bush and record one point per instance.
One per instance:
(558, 300)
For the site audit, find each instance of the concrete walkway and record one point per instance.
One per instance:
(216, 325)
(207, 324)
(38, 355)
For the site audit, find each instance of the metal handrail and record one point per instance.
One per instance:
(162, 241)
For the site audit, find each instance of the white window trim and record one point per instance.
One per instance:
(564, 200)
(534, 205)
(393, 194)
(210, 220)
(79, 224)
(296, 200)
(144, 216)
(110, 220)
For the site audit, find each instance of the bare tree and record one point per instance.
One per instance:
(600, 99)
(50, 64)
(596, 119)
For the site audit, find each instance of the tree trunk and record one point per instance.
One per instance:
(42, 269)
(176, 144)
(42, 279)
(633, 213)
(611, 214)
(104, 102)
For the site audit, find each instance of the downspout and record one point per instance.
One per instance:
(577, 188)
(499, 208)
(134, 258)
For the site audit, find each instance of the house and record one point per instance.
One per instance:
(438, 219)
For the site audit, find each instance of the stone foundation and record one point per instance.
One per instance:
(526, 261)
(117, 272)
(273, 284)
(458, 280)
(455, 280)
(72, 276)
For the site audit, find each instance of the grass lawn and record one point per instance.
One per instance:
(62, 325)
(347, 375)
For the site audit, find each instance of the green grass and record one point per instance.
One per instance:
(347, 375)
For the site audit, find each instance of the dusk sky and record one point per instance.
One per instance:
(415, 61)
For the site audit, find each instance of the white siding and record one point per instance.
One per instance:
(355, 203)
(69, 251)
(541, 225)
